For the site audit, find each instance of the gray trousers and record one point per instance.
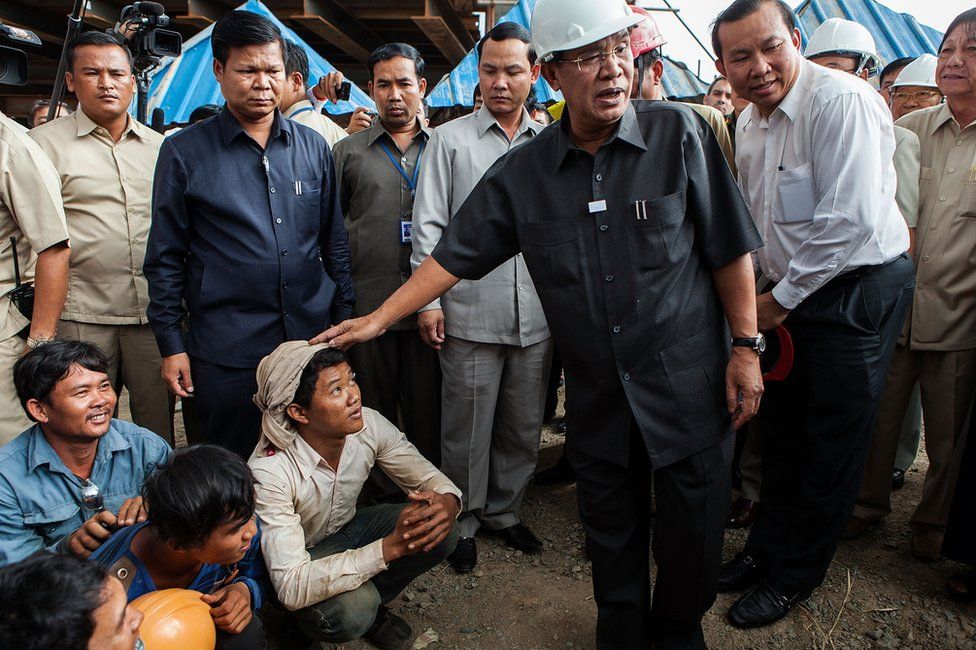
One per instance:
(492, 408)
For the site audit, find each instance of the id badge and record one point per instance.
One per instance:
(406, 227)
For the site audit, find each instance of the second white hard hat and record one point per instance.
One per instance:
(559, 25)
(920, 72)
(844, 37)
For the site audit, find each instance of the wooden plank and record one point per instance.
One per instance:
(332, 22)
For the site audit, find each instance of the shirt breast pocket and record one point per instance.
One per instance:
(552, 252)
(53, 522)
(926, 179)
(309, 205)
(653, 231)
(796, 193)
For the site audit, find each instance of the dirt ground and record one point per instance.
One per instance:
(875, 596)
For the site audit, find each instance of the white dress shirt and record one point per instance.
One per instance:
(819, 180)
(301, 501)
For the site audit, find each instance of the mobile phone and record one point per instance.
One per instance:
(343, 90)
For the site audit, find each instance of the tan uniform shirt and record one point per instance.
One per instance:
(301, 501)
(907, 156)
(106, 187)
(30, 210)
(304, 113)
(943, 315)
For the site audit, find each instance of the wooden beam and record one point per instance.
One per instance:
(331, 21)
(201, 13)
(443, 26)
(48, 26)
(102, 13)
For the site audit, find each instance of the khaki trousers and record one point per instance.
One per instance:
(133, 362)
(13, 420)
(947, 381)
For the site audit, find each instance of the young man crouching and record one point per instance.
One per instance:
(333, 567)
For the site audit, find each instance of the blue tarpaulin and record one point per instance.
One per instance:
(186, 82)
(457, 89)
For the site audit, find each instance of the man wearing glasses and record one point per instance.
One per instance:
(638, 243)
(74, 477)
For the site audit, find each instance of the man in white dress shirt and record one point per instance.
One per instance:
(814, 153)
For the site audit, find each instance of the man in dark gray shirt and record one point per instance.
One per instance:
(638, 241)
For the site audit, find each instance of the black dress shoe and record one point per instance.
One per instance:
(763, 605)
(558, 474)
(739, 573)
(389, 631)
(518, 537)
(897, 479)
(465, 555)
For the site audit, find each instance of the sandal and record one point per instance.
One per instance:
(966, 594)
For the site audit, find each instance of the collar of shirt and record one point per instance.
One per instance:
(297, 106)
(86, 126)
(628, 130)
(486, 119)
(230, 128)
(40, 452)
(944, 116)
(377, 130)
(790, 105)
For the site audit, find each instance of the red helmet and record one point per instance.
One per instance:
(646, 36)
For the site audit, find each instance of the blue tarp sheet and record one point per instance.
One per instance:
(186, 82)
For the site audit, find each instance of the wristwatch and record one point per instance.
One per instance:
(756, 343)
(33, 344)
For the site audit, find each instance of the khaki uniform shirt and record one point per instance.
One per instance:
(106, 187)
(375, 199)
(30, 210)
(302, 501)
(943, 315)
(304, 113)
(907, 154)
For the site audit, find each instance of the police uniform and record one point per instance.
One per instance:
(31, 211)
(621, 247)
(106, 187)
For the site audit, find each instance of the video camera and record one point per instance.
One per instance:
(13, 60)
(141, 26)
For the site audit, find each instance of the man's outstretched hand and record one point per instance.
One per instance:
(350, 332)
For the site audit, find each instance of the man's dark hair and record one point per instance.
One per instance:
(327, 358)
(100, 39)
(476, 94)
(714, 81)
(47, 601)
(966, 18)
(296, 60)
(894, 66)
(240, 29)
(508, 31)
(195, 491)
(200, 113)
(394, 50)
(44, 103)
(743, 8)
(39, 371)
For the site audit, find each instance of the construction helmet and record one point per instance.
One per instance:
(646, 36)
(175, 619)
(840, 37)
(559, 25)
(920, 72)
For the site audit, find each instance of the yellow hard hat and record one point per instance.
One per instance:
(175, 619)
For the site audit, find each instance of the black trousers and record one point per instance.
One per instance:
(960, 536)
(816, 424)
(252, 637)
(399, 376)
(693, 497)
(223, 406)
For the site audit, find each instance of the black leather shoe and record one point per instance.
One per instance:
(763, 605)
(389, 631)
(740, 573)
(518, 537)
(558, 474)
(465, 555)
(897, 479)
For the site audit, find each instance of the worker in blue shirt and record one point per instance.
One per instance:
(247, 247)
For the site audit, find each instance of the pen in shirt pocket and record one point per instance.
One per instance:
(298, 188)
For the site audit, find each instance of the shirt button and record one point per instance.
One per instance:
(277, 220)
(273, 190)
(934, 228)
(942, 199)
(609, 277)
(599, 177)
(284, 251)
(616, 329)
(925, 258)
(403, 160)
(951, 171)
(604, 228)
(626, 376)
(958, 143)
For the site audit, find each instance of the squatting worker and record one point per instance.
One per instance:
(31, 211)
(638, 242)
(105, 159)
(814, 153)
(247, 243)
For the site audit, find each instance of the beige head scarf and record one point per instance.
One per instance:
(278, 376)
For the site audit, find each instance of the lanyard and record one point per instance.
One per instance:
(302, 110)
(412, 182)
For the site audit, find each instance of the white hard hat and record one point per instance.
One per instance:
(559, 25)
(844, 37)
(920, 72)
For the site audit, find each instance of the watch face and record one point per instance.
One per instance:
(761, 343)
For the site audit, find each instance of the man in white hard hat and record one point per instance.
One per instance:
(645, 278)
(843, 45)
(915, 87)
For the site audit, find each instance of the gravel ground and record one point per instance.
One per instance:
(875, 595)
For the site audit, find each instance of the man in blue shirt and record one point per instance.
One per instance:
(75, 476)
(201, 535)
(247, 247)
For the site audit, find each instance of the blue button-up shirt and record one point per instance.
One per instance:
(40, 498)
(249, 243)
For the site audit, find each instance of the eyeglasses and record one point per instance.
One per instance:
(917, 96)
(593, 62)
